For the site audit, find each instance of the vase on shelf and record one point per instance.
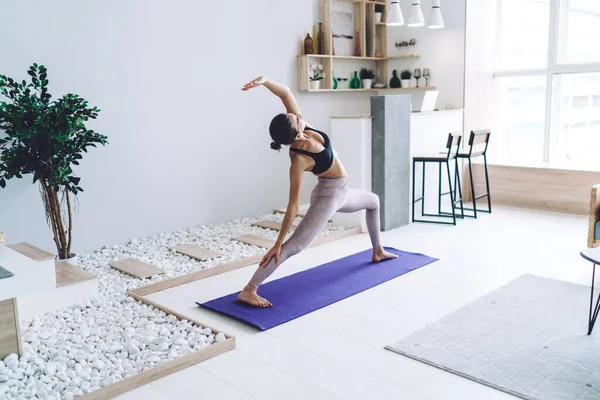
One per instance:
(334, 83)
(355, 82)
(405, 83)
(367, 83)
(378, 16)
(321, 40)
(394, 82)
(315, 85)
(308, 44)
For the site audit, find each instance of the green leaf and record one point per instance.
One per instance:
(2, 183)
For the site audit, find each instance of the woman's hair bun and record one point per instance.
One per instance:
(275, 146)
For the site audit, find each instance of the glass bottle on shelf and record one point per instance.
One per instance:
(308, 44)
(321, 40)
(355, 82)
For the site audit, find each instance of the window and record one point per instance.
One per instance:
(548, 84)
(521, 103)
(580, 37)
(523, 35)
(577, 139)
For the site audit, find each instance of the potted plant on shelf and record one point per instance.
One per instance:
(378, 13)
(45, 138)
(366, 76)
(316, 77)
(405, 78)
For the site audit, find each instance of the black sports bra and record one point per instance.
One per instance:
(323, 159)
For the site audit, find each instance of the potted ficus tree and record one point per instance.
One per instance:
(366, 76)
(45, 138)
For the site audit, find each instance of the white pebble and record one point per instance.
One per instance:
(115, 348)
(220, 337)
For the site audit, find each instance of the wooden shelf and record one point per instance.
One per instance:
(370, 40)
(401, 57)
(367, 2)
(422, 88)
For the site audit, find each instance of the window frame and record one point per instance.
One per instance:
(553, 71)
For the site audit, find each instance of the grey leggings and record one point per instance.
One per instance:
(327, 198)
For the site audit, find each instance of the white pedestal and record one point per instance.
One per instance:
(28, 276)
(351, 138)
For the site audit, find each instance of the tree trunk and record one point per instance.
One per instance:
(70, 222)
(55, 216)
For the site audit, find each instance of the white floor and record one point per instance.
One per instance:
(337, 352)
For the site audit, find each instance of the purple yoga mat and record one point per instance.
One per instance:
(309, 290)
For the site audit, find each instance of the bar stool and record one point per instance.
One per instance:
(452, 146)
(478, 144)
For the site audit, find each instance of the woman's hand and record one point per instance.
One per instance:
(256, 82)
(274, 252)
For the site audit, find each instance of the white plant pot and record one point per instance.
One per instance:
(367, 83)
(315, 85)
(378, 16)
(72, 259)
(405, 83)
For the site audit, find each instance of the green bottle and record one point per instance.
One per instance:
(394, 82)
(335, 83)
(355, 82)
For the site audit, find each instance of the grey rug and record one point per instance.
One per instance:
(527, 338)
(4, 273)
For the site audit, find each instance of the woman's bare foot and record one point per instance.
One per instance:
(249, 295)
(379, 254)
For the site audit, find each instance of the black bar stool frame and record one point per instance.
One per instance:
(477, 138)
(453, 146)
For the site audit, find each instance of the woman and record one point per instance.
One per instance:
(310, 150)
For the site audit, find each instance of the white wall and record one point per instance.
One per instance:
(441, 50)
(187, 146)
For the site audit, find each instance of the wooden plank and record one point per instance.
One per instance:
(274, 225)
(136, 268)
(32, 252)
(10, 331)
(534, 188)
(69, 274)
(160, 371)
(255, 241)
(197, 252)
(198, 275)
(231, 266)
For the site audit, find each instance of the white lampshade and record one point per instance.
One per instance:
(436, 20)
(415, 16)
(394, 14)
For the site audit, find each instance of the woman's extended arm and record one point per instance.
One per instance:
(279, 90)
(296, 171)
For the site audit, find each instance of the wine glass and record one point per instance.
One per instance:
(417, 75)
(426, 75)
